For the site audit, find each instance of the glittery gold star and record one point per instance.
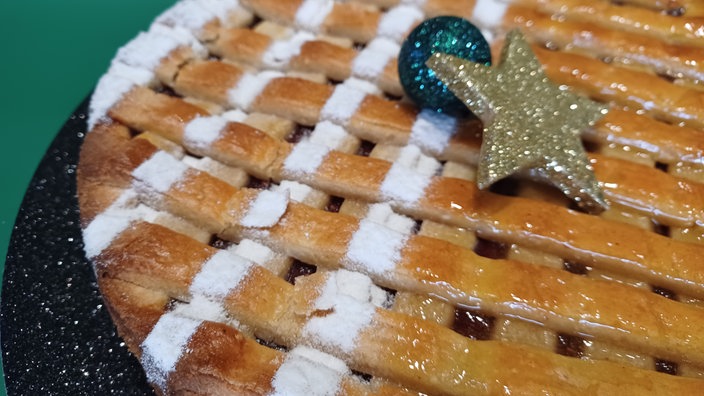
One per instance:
(530, 124)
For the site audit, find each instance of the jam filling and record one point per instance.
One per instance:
(473, 324)
(569, 345)
(299, 268)
(490, 249)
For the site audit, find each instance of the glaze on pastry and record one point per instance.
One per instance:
(267, 214)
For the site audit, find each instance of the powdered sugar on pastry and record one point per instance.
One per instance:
(488, 14)
(398, 21)
(383, 214)
(249, 87)
(253, 251)
(298, 192)
(188, 14)
(372, 60)
(305, 158)
(165, 344)
(312, 13)
(375, 248)
(158, 173)
(201, 132)
(432, 131)
(110, 89)
(307, 371)
(328, 134)
(350, 311)
(280, 52)
(266, 209)
(134, 64)
(220, 274)
(342, 104)
(409, 176)
(194, 14)
(107, 225)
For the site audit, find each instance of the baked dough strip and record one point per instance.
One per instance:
(662, 58)
(636, 90)
(218, 358)
(683, 30)
(303, 102)
(354, 20)
(447, 200)
(382, 345)
(335, 62)
(322, 238)
(250, 47)
(384, 121)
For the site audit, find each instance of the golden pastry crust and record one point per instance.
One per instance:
(382, 341)
(630, 48)
(236, 188)
(683, 30)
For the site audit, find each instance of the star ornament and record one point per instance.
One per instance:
(531, 125)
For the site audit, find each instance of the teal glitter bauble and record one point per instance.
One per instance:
(445, 34)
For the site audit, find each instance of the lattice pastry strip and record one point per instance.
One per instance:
(636, 128)
(261, 162)
(629, 48)
(185, 199)
(375, 346)
(216, 357)
(272, 96)
(353, 20)
(671, 29)
(614, 125)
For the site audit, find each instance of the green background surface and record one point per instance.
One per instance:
(53, 53)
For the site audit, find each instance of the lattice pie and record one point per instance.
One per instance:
(267, 213)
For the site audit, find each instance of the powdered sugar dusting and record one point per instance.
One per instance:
(110, 89)
(165, 344)
(351, 284)
(372, 60)
(404, 184)
(398, 21)
(148, 49)
(219, 275)
(409, 176)
(188, 14)
(367, 87)
(383, 214)
(201, 132)
(375, 248)
(159, 173)
(220, 8)
(297, 191)
(411, 157)
(249, 87)
(234, 115)
(489, 13)
(342, 104)
(203, 308)
(253, 251)
(307, 371)
(432, 131)
(328, 134)
(346, 316)
(281, 52)
(312, 13)
(305, 158)
(106, 226)
(265, 210)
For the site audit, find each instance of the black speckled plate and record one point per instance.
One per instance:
(57, 336)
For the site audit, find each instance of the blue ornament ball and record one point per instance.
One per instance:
(444, 34)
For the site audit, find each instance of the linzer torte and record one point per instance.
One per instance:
(268, 213)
